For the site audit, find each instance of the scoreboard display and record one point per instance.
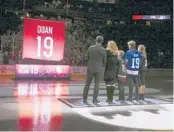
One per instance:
(43, 39)
(151, 17)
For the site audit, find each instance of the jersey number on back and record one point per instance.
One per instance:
(135, 63)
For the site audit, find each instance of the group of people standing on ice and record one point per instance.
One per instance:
(125, 68)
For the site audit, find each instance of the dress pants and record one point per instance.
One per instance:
(90, 76)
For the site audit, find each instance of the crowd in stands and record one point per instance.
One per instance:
(81, 33)
(123, 7)
(157, 39)
(57, 4)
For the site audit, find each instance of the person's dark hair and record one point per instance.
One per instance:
(99, 39)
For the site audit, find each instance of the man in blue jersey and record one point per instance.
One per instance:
(133, 61)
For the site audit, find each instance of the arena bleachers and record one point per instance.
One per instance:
(81, 31)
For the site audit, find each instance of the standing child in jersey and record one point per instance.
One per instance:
(143, 68)
(133, 61)
(121, 75)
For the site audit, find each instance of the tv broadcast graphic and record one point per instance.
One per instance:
(86, 65)
(43, 39)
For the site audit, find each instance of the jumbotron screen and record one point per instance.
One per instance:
(43, 39)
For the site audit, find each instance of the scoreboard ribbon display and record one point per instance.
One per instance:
(43, 39)
(151, 17)
(42, 71)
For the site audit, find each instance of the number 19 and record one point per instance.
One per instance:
(48, 45)
(135, 63)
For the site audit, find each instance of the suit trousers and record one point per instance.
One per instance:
(90, 75)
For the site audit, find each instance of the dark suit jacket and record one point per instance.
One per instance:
(97, 58)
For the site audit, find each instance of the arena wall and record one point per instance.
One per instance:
(8, 71)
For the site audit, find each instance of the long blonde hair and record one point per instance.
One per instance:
(142, 49)
(112, 47)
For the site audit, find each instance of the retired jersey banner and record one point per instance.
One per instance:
(43, 39)
(106, 1)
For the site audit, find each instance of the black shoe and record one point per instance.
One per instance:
(96, 101)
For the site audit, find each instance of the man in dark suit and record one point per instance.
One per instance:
(97, 58)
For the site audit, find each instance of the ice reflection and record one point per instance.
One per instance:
(39, 88)
(39, 110)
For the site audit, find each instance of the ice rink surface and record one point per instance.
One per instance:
(34, 105)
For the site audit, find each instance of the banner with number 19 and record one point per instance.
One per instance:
(43, 39)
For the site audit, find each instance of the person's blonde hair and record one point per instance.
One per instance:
(112, 47)
(142, 49)
(132, 44)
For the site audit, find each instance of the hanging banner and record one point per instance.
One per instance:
(43, 39)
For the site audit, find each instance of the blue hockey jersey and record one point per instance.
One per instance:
(133, 61)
